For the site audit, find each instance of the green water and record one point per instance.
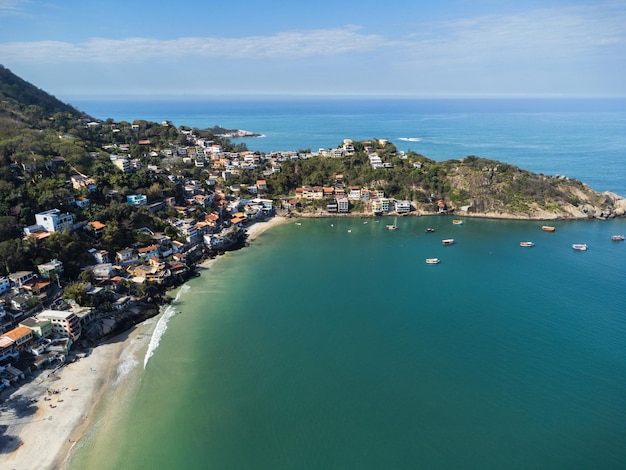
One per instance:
(332, 345)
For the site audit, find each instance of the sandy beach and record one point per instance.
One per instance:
(45, 417)
(42, 420)
(253, 231)
(259, 227)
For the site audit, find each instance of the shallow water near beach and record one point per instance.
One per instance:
(331, 344)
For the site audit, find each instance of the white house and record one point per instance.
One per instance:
(403, 207)
(53, 221)
(18, 279)
(342, 205)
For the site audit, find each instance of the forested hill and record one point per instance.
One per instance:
(24, 105)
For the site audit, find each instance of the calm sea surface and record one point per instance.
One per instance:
(332, 345)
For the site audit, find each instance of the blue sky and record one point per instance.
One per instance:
(78, 50)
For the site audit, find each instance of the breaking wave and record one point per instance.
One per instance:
(410, 139)
(125, 367)
(161, 326)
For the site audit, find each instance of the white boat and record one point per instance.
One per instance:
(618, 238)
(548, 228)
(457, 222)
(447, 241)
(526, 244)
(580, 246)
(432, 260)
(392, 227)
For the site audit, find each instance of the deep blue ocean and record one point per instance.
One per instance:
(330, 344)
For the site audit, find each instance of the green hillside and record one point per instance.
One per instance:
(24, 105)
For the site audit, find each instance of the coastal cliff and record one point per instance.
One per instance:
(488, 188)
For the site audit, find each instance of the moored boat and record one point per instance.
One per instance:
(618, 238)
(429, 230)
(432, 260)
(447, 241)
(457, 221)
(526, 244)
(580, 246)
(392, 227)
(548, 228)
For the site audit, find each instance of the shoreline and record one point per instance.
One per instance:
(258, 228)
(43, 427)
(253, 231)
(475, 215)
(41, 432)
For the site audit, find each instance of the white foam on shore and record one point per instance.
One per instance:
(124, 367)
(161, 326)
(130, 360)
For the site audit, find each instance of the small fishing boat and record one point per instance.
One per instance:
(447, 241)
(457, 221)
(429, 230)
(392, 227)
(526, 244)
(432, 260)
(580, 246)
(618, 238)
(548, 228)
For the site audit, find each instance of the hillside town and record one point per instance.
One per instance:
(42, 325)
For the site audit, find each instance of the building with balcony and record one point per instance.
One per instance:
(65, 324)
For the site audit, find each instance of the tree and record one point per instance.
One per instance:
(76, 291)
(154, 192)
(86, 275)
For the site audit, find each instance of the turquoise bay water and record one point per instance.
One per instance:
(331, 344)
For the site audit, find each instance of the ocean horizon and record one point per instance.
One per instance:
(332, 344)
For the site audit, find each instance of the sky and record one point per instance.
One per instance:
(445, 48)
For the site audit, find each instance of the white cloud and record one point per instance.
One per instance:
(548, 33)
(556, 34)
(283, 45)
(12, 7)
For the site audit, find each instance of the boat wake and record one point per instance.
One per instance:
(410, 139)
(161, 326)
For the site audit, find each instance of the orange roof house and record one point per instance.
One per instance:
(96, 226)
(19, 335)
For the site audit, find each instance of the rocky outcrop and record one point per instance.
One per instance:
(487, 188)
